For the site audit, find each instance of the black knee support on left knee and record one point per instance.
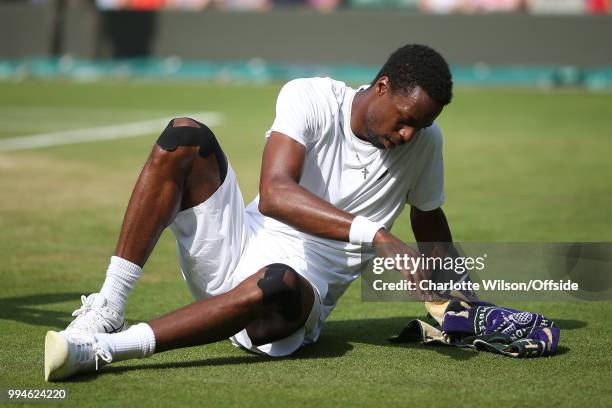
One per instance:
(276, 291)
(173, 137)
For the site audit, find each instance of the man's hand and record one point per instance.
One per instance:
(387, 245)
(433, 234)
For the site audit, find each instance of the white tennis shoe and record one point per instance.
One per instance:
(95, 316)
(69, 353)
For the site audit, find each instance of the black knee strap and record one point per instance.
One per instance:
(173, 137)
(276, 291)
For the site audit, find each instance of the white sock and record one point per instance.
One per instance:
(121, 276)
(136, 342)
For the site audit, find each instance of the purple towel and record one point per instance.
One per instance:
(483, 319)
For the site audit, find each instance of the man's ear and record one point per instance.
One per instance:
(382, 86)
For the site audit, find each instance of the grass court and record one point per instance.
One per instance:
(521, 166)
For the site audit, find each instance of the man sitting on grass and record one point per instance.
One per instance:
(338, 167)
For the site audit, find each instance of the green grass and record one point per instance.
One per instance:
(521, 166)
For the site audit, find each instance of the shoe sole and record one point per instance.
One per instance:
(56, 355)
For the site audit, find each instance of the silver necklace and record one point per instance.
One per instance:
(364, 168)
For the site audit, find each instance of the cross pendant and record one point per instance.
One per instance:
(365, 172)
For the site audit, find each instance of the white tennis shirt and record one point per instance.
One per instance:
(316, 113)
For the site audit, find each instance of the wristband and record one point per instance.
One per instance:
(363, 230)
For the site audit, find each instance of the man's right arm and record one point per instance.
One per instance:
(282, 197)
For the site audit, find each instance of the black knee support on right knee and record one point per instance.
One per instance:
(173, 137)
(276, 291)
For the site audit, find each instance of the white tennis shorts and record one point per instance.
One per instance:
(218, 248)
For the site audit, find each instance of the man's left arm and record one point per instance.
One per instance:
(430, 226)
(428, 221)
(433, 237)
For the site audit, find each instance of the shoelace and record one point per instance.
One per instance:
(84, 342)
(85, 307)
(84, 317)
(101, 353)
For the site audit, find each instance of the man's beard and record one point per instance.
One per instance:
(371, 136)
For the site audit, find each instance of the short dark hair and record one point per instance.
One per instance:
(419, 65)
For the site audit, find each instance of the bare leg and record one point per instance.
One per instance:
(271, 304)
(168, 183)
(180, 179)
(222, 316)
(173, 178)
